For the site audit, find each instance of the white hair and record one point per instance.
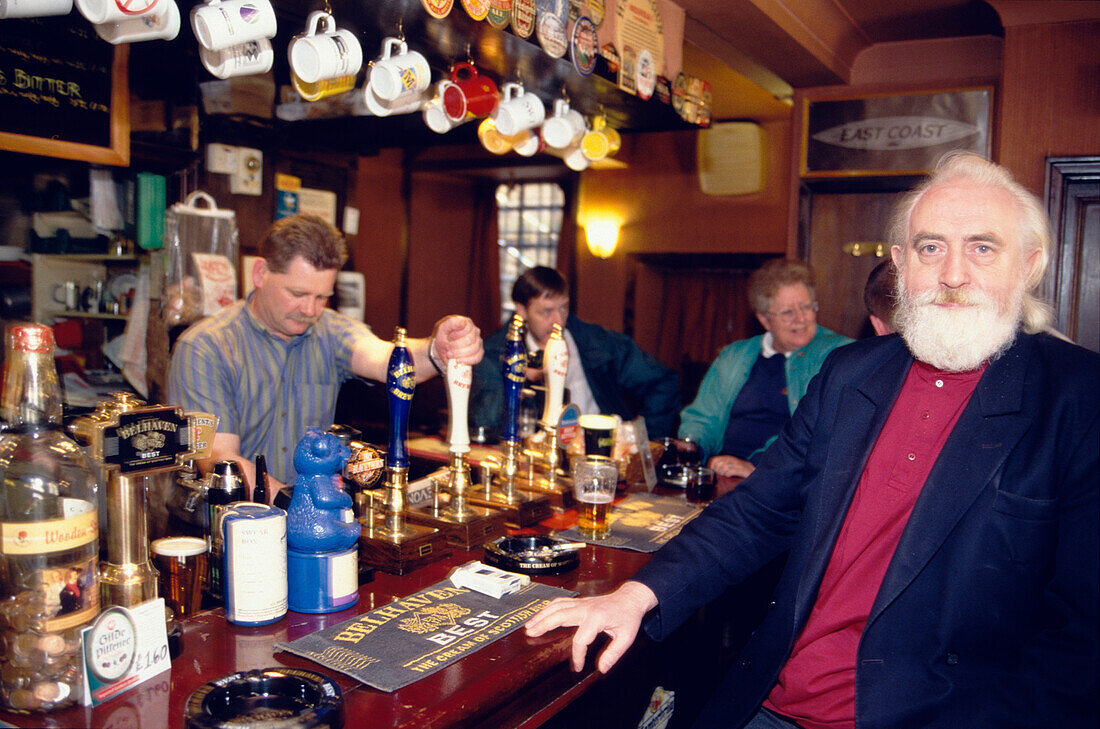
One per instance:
(1034, 227)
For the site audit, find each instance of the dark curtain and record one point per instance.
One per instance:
(483, 275)
(701, 312)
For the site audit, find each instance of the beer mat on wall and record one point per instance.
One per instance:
(642, 522)
(401, 643)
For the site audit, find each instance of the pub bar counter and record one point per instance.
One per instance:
(514, 682)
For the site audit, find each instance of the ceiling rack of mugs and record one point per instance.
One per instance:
(525, 76)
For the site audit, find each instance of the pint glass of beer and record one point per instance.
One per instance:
(594, 480)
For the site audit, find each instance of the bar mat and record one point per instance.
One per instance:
(400, 643)
(642, 522)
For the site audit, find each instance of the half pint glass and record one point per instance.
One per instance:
(594, 480)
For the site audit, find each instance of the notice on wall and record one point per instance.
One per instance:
(638, 28)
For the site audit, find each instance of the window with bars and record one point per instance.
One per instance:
(529, 217)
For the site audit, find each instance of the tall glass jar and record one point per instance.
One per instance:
(49, 586)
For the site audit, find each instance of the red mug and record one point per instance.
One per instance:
(472, 94)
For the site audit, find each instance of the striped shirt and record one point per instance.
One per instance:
(265, 390)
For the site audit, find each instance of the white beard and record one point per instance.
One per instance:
(957, 339)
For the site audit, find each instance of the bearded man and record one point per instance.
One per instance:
(937, 491)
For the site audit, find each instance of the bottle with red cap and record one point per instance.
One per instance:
(49, 586)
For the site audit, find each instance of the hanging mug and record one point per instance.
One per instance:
(34, 8)
(244, 60)
(492, 139)
(565, 127)
(518, 110)
(165, 26)
(405, 103)
(436, 116)
(332, 53)
(322, 89)
(602, 141)
(221, 24)
(116, 11)
(399, 71)
(475, 95)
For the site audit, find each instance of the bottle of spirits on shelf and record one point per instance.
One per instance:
(49, 586)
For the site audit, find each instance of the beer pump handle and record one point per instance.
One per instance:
(555, 363)
(459, 378)
(515, 372)
(400, 383)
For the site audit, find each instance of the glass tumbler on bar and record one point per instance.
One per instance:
(594, 481)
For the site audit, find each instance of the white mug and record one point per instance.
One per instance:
(116, 11)
(406, 103)
(144, 27)
(246, 59)
(319, 55)
(518, 110)
(34, 8)
(527, 143)
(565, 127)
(399, 71)
(435, 112)
(221, 24)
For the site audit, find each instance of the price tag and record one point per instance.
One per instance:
(122, 649)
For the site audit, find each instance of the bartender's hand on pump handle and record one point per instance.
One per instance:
(457, 337)
(618, 613)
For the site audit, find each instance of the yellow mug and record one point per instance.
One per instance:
(602, 141)
(322, 89)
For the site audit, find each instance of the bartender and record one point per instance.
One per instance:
(272, 365)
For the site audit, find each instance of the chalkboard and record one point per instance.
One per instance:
(63, 91)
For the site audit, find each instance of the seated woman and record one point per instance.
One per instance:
(753, 387)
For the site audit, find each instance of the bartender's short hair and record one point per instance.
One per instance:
(538, 281)
(317, 242)
(878, 294)
(769, 278)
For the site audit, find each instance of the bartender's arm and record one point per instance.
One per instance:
(453, 337)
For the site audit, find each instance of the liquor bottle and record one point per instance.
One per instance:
(49, 585)
(259, 489)
(226, 486)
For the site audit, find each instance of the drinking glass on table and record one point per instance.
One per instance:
(594, 480)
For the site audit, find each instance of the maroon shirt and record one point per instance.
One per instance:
(817, 686)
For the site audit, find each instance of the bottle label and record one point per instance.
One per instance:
(44, 537)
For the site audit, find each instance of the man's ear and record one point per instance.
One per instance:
(259, 272)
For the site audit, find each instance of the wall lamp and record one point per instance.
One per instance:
(602, 234)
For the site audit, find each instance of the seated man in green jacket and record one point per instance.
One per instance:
(753, 386)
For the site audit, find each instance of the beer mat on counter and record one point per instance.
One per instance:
(642, 522)
(434, 447)
(408, 639)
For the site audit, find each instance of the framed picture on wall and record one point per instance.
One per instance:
(893, 134)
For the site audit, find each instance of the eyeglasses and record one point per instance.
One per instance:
(787, 315)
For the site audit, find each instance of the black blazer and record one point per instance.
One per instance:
(987, 615)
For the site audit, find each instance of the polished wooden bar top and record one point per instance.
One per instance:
(514, 683)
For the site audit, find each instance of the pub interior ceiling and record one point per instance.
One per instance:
(752, 52)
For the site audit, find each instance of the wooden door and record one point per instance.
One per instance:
(1073, 278)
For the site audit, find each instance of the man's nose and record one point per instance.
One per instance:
(558, 317)
(311, 307)
(802, 314)
(954, 271)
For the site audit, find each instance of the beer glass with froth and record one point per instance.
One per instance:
(594, 480)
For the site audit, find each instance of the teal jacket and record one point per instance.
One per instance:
(705, 420)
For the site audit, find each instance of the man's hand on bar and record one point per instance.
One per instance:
(457, 337)
(618, 613)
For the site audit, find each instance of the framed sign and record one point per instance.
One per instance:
(893, 134)
(63, 91)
